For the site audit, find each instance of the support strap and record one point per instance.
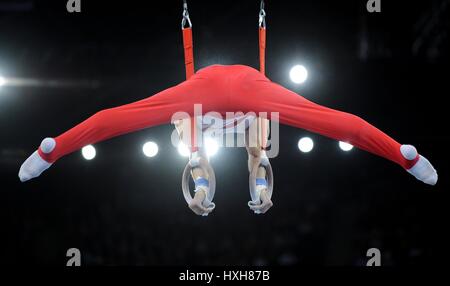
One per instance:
(262, 39)
(262, 50)
(262, 123)
(188, 52)
(189, 64)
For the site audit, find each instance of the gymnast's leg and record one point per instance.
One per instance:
(108, 123)
(262, 95)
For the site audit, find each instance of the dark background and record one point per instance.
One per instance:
(391, 68)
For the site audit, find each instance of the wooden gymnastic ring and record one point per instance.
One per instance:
(252, 178)
(207, 169)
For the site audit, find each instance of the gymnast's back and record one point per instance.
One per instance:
(225, 73)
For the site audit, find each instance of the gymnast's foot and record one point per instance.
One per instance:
(422, 170)
(35, 165)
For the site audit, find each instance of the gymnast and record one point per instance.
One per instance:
(222, 89)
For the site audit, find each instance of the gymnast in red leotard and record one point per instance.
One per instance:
(235, 88)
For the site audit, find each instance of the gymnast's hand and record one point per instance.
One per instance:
(264, 206)
(197, 205)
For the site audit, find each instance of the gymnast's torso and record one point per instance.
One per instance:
(231, 75)
(228, 71)
(237, 124)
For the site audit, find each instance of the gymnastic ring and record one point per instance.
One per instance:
(207, 169)
(265, 163)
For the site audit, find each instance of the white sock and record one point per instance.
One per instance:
(35, 165)
(422, 170)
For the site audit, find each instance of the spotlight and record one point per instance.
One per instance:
(298, 74)
(345, 146)
(2, 80)
(88, 152)
(305, 144)
(183, 150)
(211, 146)
(150, 149)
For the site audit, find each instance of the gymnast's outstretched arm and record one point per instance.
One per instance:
(199, 204)
(262, 202)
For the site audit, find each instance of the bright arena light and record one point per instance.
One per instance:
(2, 80)
(298, 74)
(88, 152)
(211, 146)
(305, 144)
(150, 149)
(345, 146)
(183, 150)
